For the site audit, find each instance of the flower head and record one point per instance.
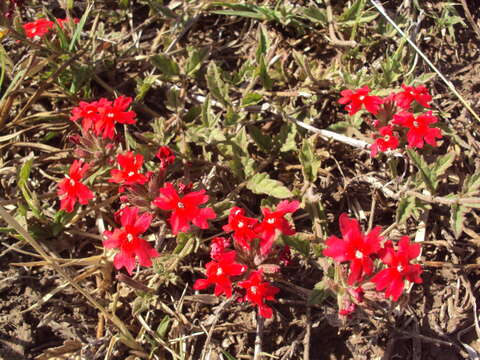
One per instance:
(127, 239)
(242, 227)
(166, 156)
(218, 246)
(89, 112)
(419, 129)
(113, 113)
(219, 272)
(273, 221)
(358, 98)
(71, 190)
(387, 141)
(184, 209)
(392, 279)
(38, 28)
(355, 247)
(409, 94)
(258, 291)
(130, 167)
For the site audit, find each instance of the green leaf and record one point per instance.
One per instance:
(217, 87)
(442, 164)
(162, 328)
(428, 175)
(310, 163)
(352, 12)
(288, 143)
(262, 71)
(262, 184)
(263, 141)
(457, 219)
(405, 208)
(79, 28)
(295, 242)
(195, 60)
(316, 15)
(471, 184)
(263, 42)
(320, 292)
(251, 99)
(165, 65)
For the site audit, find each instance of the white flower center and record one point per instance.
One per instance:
(271, 221)
(253, 289)
(72, 182)
(240, 224)
(219, 271)
(89, 112)
(131, 173)
(129, 237)
(400, 268)
(415, 123)
(180, 205)
(110, 115)
(361, 98)
(387, 137)
(358, 254)
(34, 30)
(237, 212)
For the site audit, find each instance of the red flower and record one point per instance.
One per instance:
(273, 221)
(399, 268)
(186, 209)
(241, 226)
(166, 156)
(258, 291)
(355, 100)
(129, 173)
(72, 190)
(38, 28)
(419, 94)
(89, 112)
(388, 141)
(219, 273)
(110, 114)
(419, 130)
(218, 246)
(355, 247)
(127, 240)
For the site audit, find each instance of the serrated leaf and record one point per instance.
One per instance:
(471, 184)
(405, 208)
(195, 59)
(217, 87)
(428, 175)
(264, 142)
(262, 184)
(457, 219)
(165, 65)
(443, 163)
(310, 163)
(289, 143)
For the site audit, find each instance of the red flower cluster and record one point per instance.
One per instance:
(71, 190)
(101, 115)
(395, 124)
(166, 157)
(254, 242)
(42, 26)
(359, 250)
(246, 229)
(127, 240)
(130, 167)
(185, 210)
